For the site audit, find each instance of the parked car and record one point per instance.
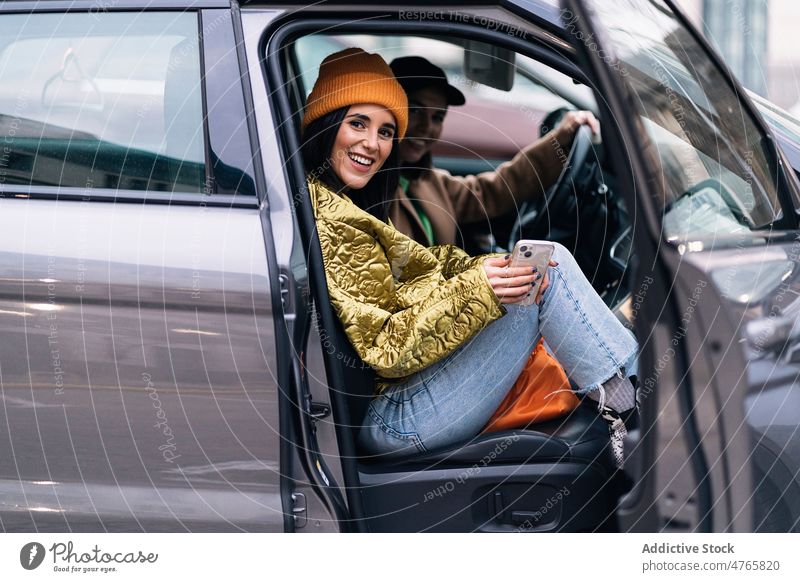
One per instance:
(170, 360)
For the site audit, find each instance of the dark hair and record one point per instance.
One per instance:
(317, 147)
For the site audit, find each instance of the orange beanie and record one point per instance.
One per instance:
(353, 76)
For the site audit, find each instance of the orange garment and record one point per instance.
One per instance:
(354, 76)
(535, 396)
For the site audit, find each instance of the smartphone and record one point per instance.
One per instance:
(532, 253)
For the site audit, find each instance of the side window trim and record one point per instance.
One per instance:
(228, 141)
(96, 7)
(126, 196)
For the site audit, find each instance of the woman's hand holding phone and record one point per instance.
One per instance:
(545, 282)
(516, 277)
(510, 284)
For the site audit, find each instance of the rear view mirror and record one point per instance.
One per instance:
(489, 65)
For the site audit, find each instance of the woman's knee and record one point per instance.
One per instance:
(562, 254)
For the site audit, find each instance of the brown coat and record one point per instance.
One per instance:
(451, 200)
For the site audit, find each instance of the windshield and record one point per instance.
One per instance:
(713, 159)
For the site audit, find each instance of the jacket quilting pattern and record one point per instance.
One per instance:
(403, 306)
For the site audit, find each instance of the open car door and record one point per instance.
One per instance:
(713, 213)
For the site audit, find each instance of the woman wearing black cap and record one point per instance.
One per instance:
(431, 203)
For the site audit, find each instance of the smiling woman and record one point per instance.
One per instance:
(352, 119)
(363, 142)
(430, 320)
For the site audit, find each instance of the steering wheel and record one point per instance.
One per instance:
(560, 197)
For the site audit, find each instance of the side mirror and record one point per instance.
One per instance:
(489, 65)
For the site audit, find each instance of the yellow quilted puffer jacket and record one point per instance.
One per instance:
(403, 306)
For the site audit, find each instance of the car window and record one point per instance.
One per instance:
(714, 160)
(312, 49)
(493, 124)
(101, 100)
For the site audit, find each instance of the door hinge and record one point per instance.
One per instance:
(316, 411)
(299, 510)
(283, 280)
(319, 410)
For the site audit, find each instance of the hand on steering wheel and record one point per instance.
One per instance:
(576, 127)
(571, 122)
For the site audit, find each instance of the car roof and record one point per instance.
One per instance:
(548, 10)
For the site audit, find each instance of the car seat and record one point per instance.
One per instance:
(553, 476)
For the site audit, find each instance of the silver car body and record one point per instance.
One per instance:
(160, 369)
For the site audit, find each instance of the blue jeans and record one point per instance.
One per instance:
(451, 400)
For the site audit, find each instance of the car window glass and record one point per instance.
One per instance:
(101, 100)
(312, 49)
(493, 124)
(571, 93)
(702, 137)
